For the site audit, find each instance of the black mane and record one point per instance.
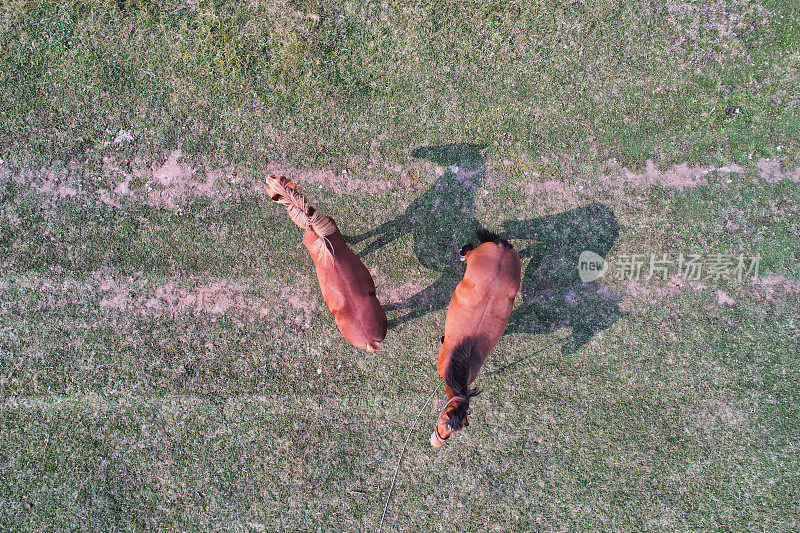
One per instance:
(484, 235)
(457, 378)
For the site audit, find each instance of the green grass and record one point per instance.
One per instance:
(339, 83)
(177, 368)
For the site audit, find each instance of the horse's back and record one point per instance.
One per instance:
(497, 262)
(491, 281)
(349, 291)
(482, 302)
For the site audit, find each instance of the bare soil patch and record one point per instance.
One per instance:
(654, 289)
(723, 298)
(46, 181)
(176, 181)
(772, 171)
(717, 415)
(554, 193)
(767, 288)
(774, 287)
(679, 176)
(210, 297)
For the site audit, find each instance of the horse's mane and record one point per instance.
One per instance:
(484, 235)
(457, 378)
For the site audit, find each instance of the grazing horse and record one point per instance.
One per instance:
(346, 284)
(476, 318)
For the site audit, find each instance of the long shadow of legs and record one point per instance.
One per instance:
(448, 204)
(553, 295)
(432, 298)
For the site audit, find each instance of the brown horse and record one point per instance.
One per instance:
(346, 284)
(476, 319)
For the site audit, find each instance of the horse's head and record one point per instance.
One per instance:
(452, 419)
(453, 416)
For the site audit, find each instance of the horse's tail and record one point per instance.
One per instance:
(302, 213)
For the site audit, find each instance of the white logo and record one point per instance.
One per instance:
(591, 266)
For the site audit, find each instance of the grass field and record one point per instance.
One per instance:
(167, 361)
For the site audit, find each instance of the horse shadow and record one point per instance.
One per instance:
(450, 198)
(553, 295)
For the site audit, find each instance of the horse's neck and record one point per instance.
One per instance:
(449, 391)
(476, 361)
(475, 365)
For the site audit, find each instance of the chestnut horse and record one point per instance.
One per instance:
(476, 319)
(346, 284)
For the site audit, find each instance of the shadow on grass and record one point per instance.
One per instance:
(553, 295)
(443, 219)
(430, 220)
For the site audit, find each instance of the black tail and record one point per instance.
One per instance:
(457, 378)
(484, 235)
